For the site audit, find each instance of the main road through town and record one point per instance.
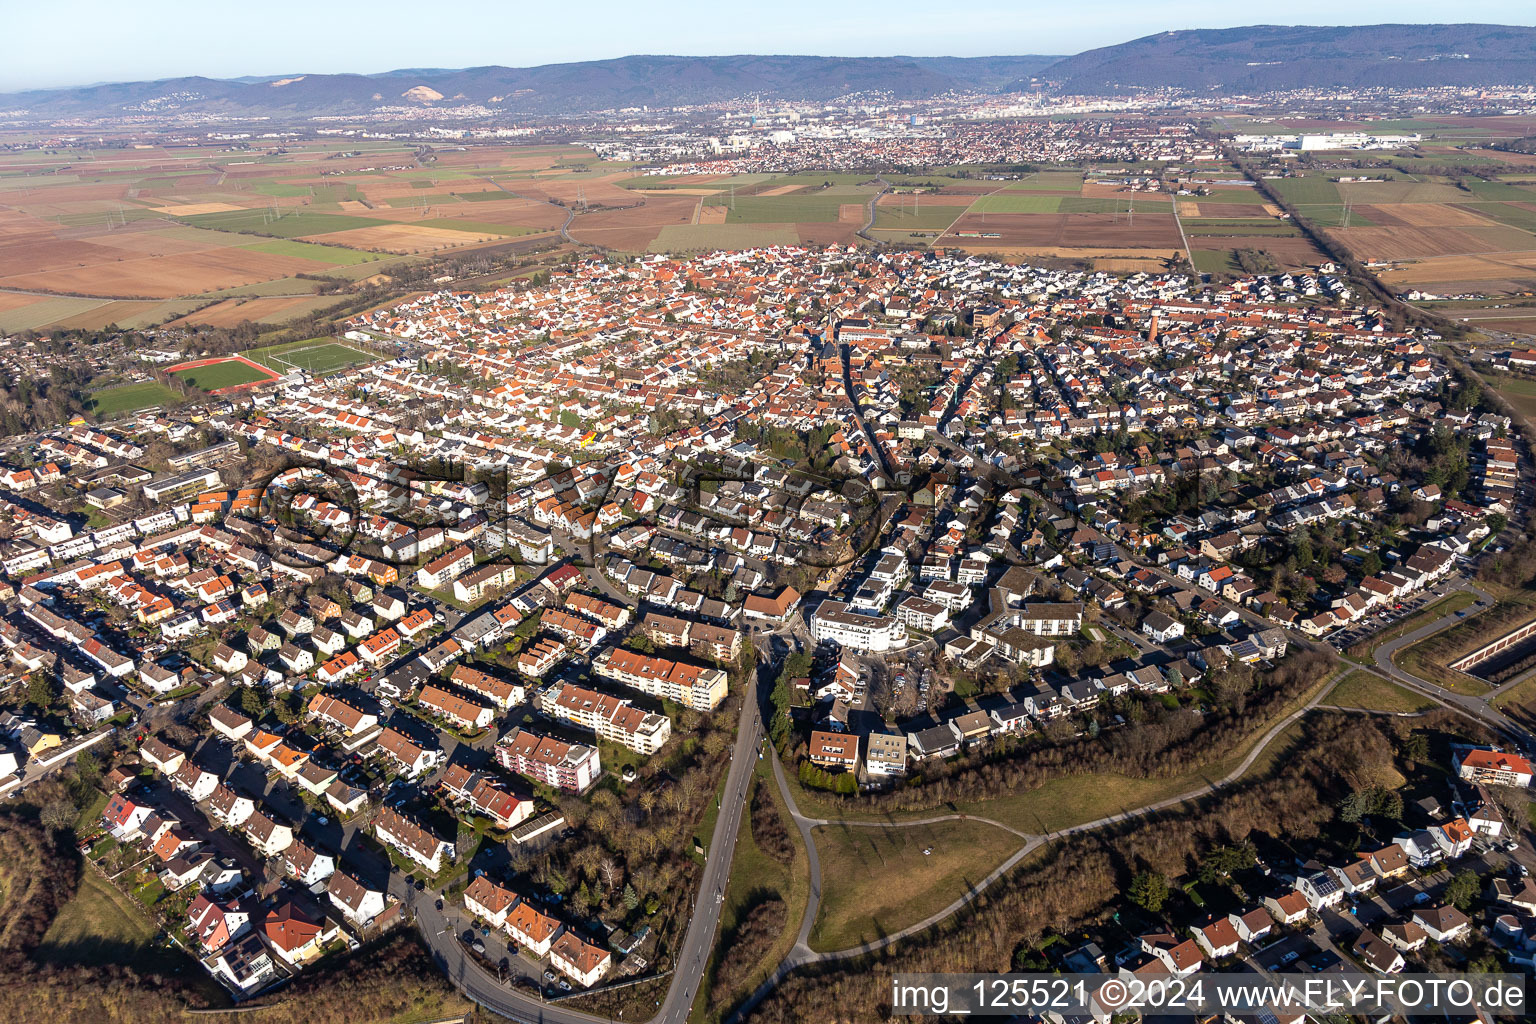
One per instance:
(688, 965)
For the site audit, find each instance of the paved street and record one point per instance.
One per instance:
(441, 932)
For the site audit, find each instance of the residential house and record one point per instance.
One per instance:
(579, 960)
(359, 903)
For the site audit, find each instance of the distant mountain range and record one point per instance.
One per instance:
(1263, 58)
(1254, 59)
(551, 89)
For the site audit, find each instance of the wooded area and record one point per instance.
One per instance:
(1078, 883)
(1174, 742)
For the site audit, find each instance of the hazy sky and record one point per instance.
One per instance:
(75, 42)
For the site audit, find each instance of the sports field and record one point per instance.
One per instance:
(317, 355)
(222, 374)
(129, 398)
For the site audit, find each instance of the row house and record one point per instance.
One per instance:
(609, 717)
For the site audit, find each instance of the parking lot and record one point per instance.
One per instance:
(1404, 609)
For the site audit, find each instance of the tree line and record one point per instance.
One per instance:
(1175, 742)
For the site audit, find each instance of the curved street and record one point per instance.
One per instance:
(1478, 708)
(570, 213)
(802, 954)
(869, 222)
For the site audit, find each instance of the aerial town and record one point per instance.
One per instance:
(762, 539)
(548, 532)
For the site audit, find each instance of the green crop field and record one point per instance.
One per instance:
(1047, 181)
(922, 218)
(99, 218)
(429, 199)
(1013, 202)
(279, 189)
(335, 192)
(909, 182)
(332, 254)
(45, 311)
(227, 374)
(129, 398)
(289, 225)
(1313, 189)
(1435, 163)
(1215, 261)
(1501, 191)
(816, 179)
(317, 355)
(669, 182)
(1387, 192)
(1332, 216)
(1504, 213)
(707, 237)
(817, 207)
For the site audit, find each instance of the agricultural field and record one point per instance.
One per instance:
(268, 310)
(1047, 203)
(1052, 214)
(684, 238)
(703, 212)
(155, 226)
(1518, 392)
(1422, 230)
(793, 208)
(1064, 230)
(332, 254)
(634, 224)
(1070, 182)
(917, 213)
(284, 223)
(1511, 321)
